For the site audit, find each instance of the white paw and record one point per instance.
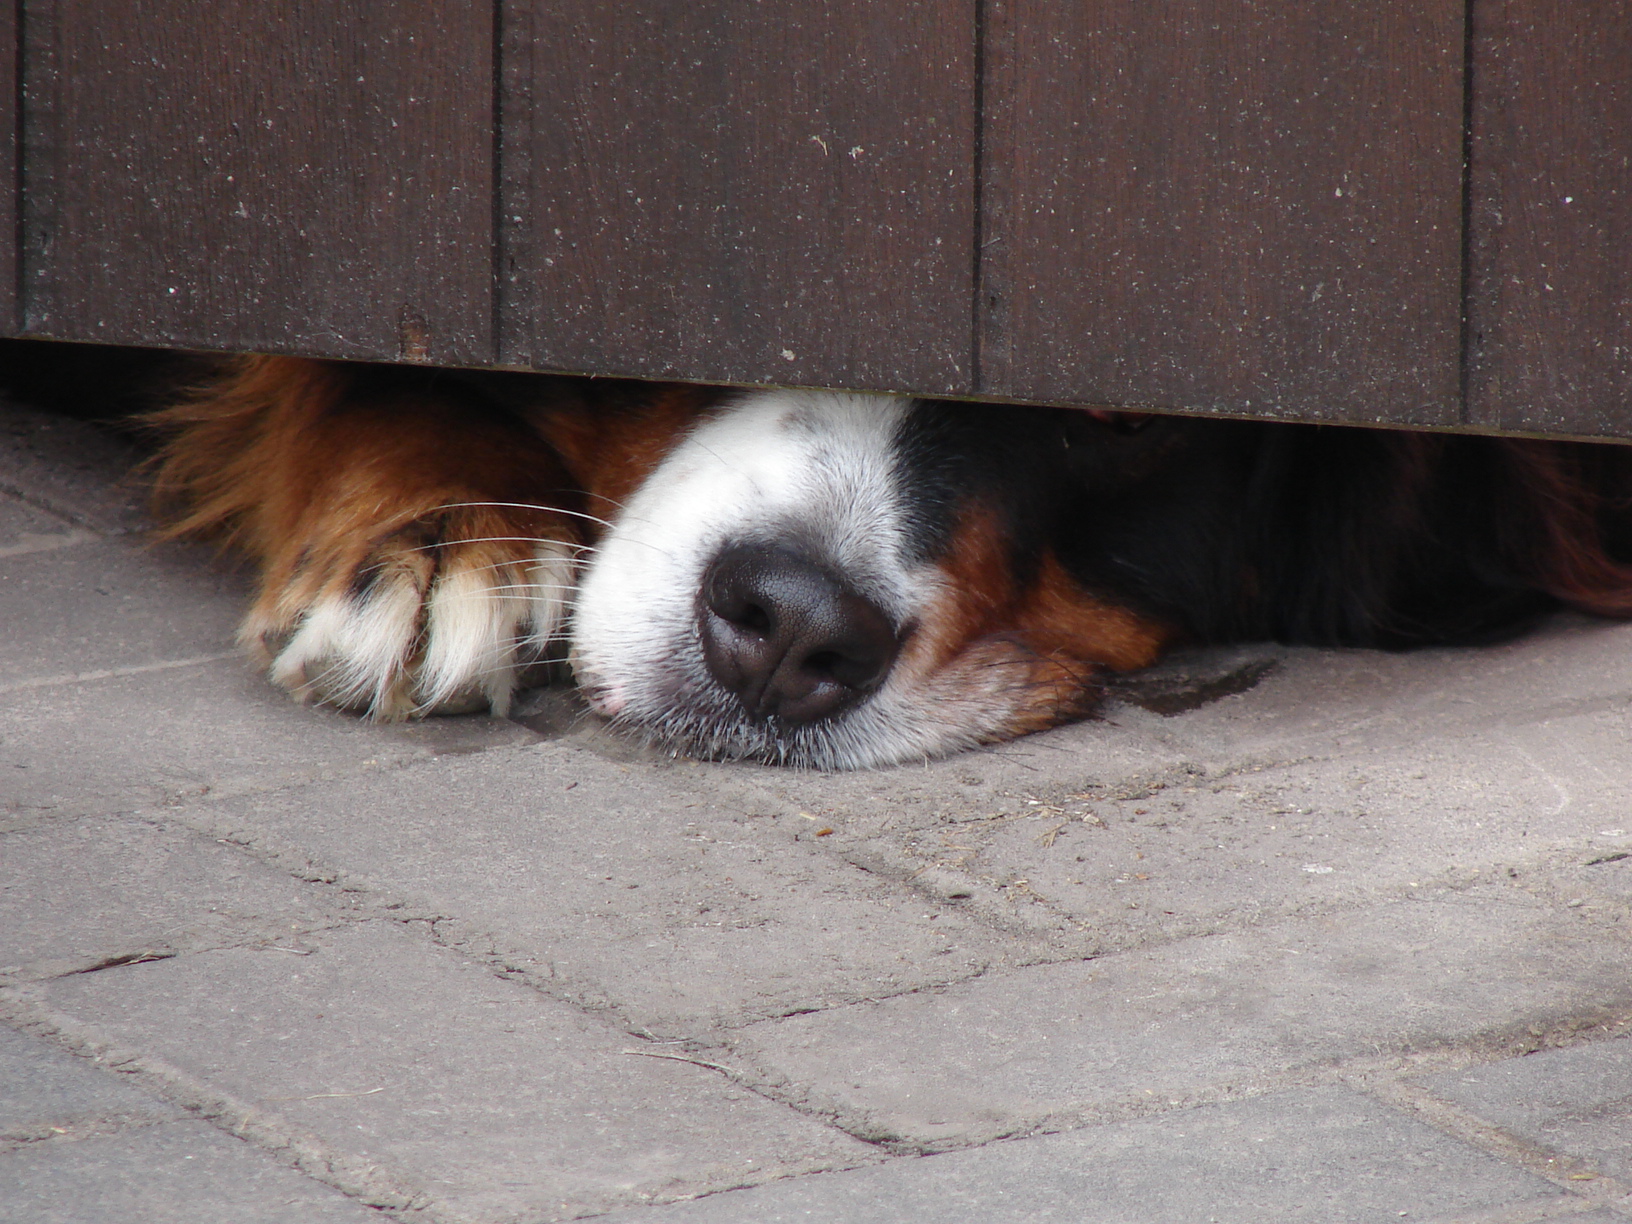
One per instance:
(446, 630)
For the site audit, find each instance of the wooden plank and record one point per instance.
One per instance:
(739, 191)
(1223, 205)
(10, 315)
(296, 176)
(1550, 284)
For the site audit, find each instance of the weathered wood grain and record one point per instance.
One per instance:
(1225, 205)
(1199, 205)
(292, 177)
(741, 191)
(10, 316)
(1550, 281)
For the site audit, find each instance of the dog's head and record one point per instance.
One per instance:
(841, 581)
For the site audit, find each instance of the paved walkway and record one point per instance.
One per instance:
(1288, 936)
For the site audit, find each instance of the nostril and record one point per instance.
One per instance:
(789, 638)
(860, 669)
(728, 594)
(825, 663)
(751, 617)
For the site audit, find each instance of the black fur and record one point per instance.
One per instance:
(1242, 531)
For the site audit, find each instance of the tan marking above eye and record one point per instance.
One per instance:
(1058, 616)
(1052, 614)
(1049, 636)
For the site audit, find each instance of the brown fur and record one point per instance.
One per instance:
(284, 460)
(1563, 544)
(611, 447)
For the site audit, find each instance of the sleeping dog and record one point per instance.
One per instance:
(839, 580)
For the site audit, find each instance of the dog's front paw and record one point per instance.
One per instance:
(441, 615)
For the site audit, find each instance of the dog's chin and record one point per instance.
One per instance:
(993, 691)
(684, 712)
(694, 734)
(836, 745)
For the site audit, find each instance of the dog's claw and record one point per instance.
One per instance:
(451, 636)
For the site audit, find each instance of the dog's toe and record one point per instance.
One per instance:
(412, 629)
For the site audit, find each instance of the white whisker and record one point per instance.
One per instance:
(578, 549)
(542, 509)
(454, 543)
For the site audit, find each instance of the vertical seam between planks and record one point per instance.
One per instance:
(978, 187)
(1466, 287)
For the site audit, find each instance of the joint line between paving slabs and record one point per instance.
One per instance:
(1531, 1211)
(50, 542)
(1578, 1177)
(263, 1129)
(98, 1126)
(294, 860)
(114, 673)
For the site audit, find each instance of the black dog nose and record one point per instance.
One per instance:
(788, 637)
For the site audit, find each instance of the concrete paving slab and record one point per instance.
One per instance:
(169, 734)
(1196, 1019)
(71, 468)
(1598, 879)
(177, 1173)
(656, 890)
(1577, 1101)
(1321, 1156)
(25, 528)
(1188, 854)
(76, 895)
(494, 1101)
(104, 605)
(1326, 702)
(46, 1094)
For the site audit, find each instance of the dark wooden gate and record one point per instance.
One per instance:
(1401, 211)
